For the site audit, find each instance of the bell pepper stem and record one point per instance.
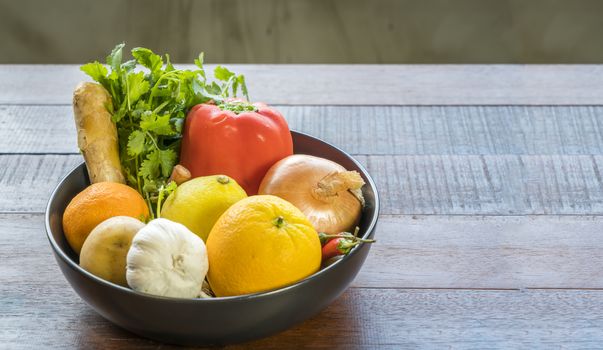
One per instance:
(237, 106)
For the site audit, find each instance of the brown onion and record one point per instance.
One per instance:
(323, 190)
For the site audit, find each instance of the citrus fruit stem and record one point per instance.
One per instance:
(223, 179)
(279, 221)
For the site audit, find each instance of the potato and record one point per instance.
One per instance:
(104, 251)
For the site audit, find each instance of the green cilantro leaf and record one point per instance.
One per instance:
(137, 86)
(136, 142)
(128, 65)
(114, 59)
(222, 73)
(150, 166)
(95, 70)
(241, 81)
(150, 186)
(168, 65)
(203, 94)
(167, 160)
(171, 187)
(148, 59)
(199, 60)
(159, 125)
(199, 63)
(120, 113)
(234, 85)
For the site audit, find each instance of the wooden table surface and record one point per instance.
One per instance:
(490, 236)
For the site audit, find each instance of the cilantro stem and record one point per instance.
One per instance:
(138, 175)
(128, 95)
(113, 94)
(152, 140)
(159, 200)
(156, 85)
(160, 107)
(146, 194)
(228, 85)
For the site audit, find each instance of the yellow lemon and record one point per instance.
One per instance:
(198, 203)
(261, 243)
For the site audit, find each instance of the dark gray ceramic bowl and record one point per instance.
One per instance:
(219, 320)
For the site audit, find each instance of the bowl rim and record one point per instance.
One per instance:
(63, 256)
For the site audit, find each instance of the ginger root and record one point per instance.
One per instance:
(96, 133)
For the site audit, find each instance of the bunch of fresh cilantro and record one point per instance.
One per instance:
(150, 101)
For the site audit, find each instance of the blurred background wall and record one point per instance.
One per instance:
(307, 31)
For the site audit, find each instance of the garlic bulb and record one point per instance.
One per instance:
(167, 259)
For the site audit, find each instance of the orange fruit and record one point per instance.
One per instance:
(95, 204)
(261, 243)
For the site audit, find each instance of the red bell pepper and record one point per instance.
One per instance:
(235, 138)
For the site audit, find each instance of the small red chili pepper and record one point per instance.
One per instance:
(325, 237)
(341, 245)
(337, 246)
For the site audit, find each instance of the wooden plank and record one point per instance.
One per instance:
(37, 129)
(431, 184)
(358, 84)
(438, 252)
(27, 181)
(411, 130)
(411, 319)
(411, 252)
(360, 319)
(488, 185)
(485, 252)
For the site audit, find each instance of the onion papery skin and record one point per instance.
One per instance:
(295, 179)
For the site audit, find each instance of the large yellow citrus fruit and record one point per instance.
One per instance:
(261, 243)
(198, 203)
(95, 204)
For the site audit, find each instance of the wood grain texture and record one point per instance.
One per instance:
(37, 129)
(432, 160)
(430, 184)
(480, 252)
(375, 130)
(360, 319)
(411, 252)
(28, 180)
(439, 171)
(488, 185)
(357, 84)
(485, 252)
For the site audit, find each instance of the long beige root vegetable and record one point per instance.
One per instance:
(96, 133)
